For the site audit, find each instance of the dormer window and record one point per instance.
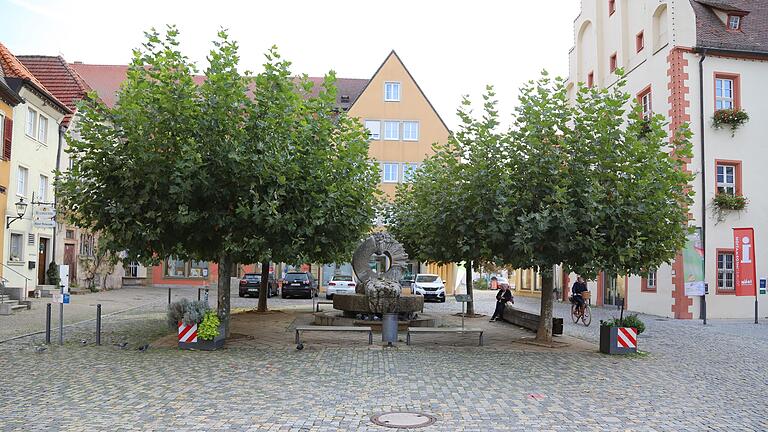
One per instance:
(734, 22)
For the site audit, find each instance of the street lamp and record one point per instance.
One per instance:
(21, 209)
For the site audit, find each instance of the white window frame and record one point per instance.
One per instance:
(42, 129)
(30, 127)
(42, 189)
(371, 135)
(389, 95)
(646, 102)
(721, 99)
(21, 187)
(724, 270)
(405, 128)
(734, 22)
(20, 236)
(652, 280)
(384, 178)
(409, 169)
(2, 129)
(386, 136)
(722, 170)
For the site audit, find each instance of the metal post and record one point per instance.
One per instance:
(48, 324)
(462, 315)
(704, 302)
(61, 316)
(198, 294)
(169, 296)
(756, 311)
(98, 324)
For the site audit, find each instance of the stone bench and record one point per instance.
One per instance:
(529, 320)
(302, 329)
(444, 330)
(325, 302)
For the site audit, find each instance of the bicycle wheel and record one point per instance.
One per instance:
(586, 317)
(574, 313)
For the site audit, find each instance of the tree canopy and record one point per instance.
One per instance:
(227, 166)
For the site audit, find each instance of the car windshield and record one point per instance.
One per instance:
(343, 278)
(296, 277)
(426, 278)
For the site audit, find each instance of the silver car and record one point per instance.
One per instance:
(340, 284)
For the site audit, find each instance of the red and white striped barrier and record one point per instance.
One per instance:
(627, 337)
(187, 333)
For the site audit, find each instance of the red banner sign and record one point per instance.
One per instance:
(744, 261)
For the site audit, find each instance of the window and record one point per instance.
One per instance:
(70, 234)
(198, 269)
(175, 267)
(734, 22)
(390, 174)
(21, 181)
(727, 91)
(410, 131)
(640, 41)
(613, 62)
(611, 7)
(16, 245)
(590, 79)
(43, 190)
(392, 91)
(2, 127)
(31, 122)
(42, 131)
(644, 98)
(391, 130)
(86, 244)
(648, 282)
(409, 169)
(728, 177)
(725, 270)
(374, 129)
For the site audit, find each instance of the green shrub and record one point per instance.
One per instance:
(631, 320)
(726, 201)
(480, 284)
(209, 327)
(190, 312)
(52, 274)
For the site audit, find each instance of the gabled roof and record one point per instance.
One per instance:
(712, 33)
(348, 90)
(56, 75)
(16, 75)
(393, 53)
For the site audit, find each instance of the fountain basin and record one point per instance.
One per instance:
(354, 304)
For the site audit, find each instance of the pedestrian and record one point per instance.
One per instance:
(503, 297)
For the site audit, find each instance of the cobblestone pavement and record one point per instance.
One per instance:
(694, 378)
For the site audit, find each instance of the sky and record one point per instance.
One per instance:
(452, 48)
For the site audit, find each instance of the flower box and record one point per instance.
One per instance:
(618, 340)
(196, 343)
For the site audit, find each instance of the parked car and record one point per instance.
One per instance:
(340, 284)
(501, 282)
(430, 286)
(299, 284)
(407, 281)
(251, 283)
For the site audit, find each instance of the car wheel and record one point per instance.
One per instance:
(328, 297)
(442, 300)
(242, 294)
(283, 296)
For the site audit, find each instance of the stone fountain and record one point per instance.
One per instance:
(378, 295)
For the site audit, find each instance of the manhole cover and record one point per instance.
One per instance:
(403, 420)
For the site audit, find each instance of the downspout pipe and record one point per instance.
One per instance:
(703, 56)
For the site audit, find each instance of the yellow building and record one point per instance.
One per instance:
(8, 100)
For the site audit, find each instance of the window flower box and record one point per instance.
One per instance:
(729, 202)
(733, 118)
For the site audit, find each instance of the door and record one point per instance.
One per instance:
(42, 260)
(613, 294)
(69, 259)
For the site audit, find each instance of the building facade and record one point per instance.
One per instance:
(8, 100)
(28, 240)
(688, 59)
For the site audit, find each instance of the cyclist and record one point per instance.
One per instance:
(579, 287)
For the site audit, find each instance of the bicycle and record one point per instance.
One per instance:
(583, 313)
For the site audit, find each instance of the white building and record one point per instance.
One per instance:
(686, 59)
(35, 146)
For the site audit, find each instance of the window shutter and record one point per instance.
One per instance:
(7, 139)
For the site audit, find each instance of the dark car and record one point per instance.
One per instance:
(251, 282)
(299, 284)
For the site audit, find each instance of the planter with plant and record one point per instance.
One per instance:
(723, 203)
(731, 118)
(619, 335)
(198, 325)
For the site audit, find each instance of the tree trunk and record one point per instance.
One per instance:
(470, 305)
(264, 288)
(544, 332)
(227, 268)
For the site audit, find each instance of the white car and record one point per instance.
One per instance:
(430, 286)
(340, 284)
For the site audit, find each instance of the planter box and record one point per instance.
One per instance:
(205, 345)
(618, 340)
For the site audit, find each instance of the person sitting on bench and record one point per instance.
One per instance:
(502, 297)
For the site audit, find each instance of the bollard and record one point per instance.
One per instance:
(98, 324)
(48, 324)
(198, 294)
(169, 296)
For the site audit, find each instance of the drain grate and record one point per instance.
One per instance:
(403, 420)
